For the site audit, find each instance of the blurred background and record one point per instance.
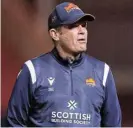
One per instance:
(110, 39)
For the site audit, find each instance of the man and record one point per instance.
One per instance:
(65, 87)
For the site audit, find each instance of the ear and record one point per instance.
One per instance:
(54, 34)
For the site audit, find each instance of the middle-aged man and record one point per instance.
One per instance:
(65, 87)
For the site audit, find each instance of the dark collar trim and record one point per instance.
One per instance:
(67, 62)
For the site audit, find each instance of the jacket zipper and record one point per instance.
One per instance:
(71, 77)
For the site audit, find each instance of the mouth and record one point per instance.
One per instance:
(81, 40)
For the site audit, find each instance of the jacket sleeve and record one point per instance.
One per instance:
(19, 103)
(111, 111)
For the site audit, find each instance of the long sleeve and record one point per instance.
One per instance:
(19, 103)
(111, 111)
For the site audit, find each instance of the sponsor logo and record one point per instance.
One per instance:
(71, 7)
(72, 105)
(90, 82)
(71, 116)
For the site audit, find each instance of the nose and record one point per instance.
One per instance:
(81, 30)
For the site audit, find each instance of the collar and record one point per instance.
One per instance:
(67, 62)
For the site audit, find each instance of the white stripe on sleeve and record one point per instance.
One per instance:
(106, 71)
(32, 70)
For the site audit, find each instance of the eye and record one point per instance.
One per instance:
(71, 26)
(84, 24)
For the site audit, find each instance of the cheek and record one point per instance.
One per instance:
(86, 33)
(74, 38)
(69, 38)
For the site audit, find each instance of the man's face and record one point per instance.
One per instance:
(73, 38)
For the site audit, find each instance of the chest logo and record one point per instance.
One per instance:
(51, 80)
(90, 82)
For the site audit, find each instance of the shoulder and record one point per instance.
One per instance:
(101, 68)
(35, 65)
(39, 60)
(95, 62)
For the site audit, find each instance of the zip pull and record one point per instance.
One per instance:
(70, 61)
(70, 67)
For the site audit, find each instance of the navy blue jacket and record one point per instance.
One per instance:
(50, 91)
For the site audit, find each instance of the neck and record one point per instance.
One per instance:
(65, 60)
(66, 55)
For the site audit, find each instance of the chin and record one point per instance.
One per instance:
(81, 50)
